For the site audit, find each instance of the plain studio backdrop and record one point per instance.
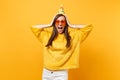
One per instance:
(21, 53)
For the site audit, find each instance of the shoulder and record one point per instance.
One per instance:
(74, 32)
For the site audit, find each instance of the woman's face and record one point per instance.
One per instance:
(60, 24)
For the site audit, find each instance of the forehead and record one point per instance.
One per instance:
(61, 18)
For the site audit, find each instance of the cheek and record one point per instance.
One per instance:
(64, 28)
(64, 25)
(56, 26)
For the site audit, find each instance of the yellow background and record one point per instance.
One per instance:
(20, 51)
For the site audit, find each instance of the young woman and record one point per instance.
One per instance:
(61, 46)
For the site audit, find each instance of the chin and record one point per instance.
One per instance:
(60, 32)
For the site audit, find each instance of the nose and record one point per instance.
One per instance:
(60, 23)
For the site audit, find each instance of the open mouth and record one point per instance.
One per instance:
(60, 27)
